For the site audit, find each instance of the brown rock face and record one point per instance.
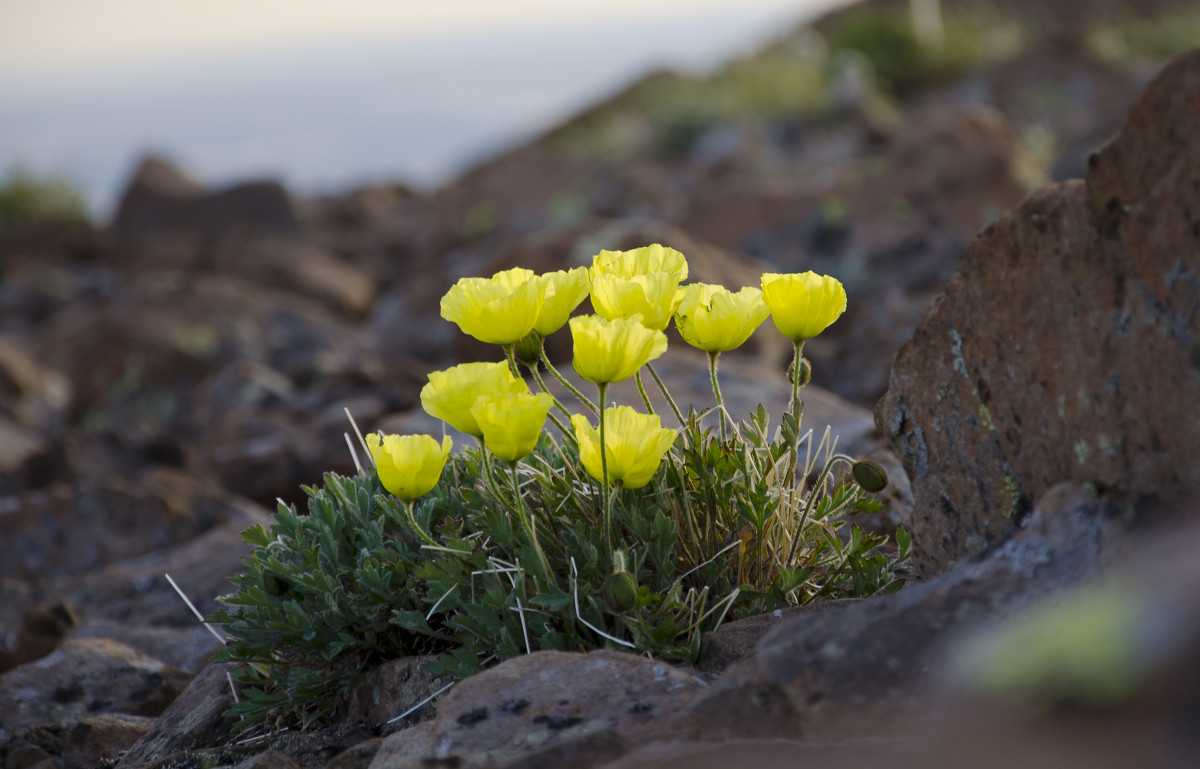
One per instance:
(1067, 346)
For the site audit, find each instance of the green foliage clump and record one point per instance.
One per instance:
(26, 200)
(328, 595)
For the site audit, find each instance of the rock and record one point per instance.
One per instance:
(66, 531)
(183, 648)
(137, 591)
(392, 689)
(1033, 369)
(271, 759)
(195, 719)
(85, 677)
(33, 404)
(546, 709)
(868, 667)
(39, 633)
(84, 744)
(358, 757)
(160, 197)
(295, 265)
(93, 741)
(764, 753)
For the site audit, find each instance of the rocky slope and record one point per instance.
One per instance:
(164, 379)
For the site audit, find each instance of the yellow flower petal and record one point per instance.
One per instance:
(450, 394)
(634, 445)
(511, 423)
(715, 319)
(409, 466)
(803, 304)
(497, 310)
(640, 261)
(652, 295)
(565, 290)
(613, 350)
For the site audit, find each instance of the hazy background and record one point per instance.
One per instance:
(325, 95)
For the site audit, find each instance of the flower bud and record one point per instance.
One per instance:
(805, 372)
(620, 593)
(528, 348)
(869, 475)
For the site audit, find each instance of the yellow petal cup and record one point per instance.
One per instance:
(803, 304)
(715, 319)
(652, 295)
(450, 394)
(409, 466)
(613, 350)
(564, 291)
(497, 310)
(640, 261)
(511, 423)
(635, 445)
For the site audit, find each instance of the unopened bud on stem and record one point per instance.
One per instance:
(869, 475)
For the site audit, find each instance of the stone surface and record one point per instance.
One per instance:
(271, 759)
(546, 709)
(1034, 368)
(66, 530)
(38, 633)
(392, 689)
(91, 742)
(85, 677)
(160, 197)
(195, 718)
(358, 757)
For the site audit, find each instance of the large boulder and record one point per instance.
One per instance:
(161, 198)
(1066, 346)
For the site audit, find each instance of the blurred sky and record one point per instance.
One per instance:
(323, 94)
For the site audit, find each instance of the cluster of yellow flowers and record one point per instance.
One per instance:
(635, 294)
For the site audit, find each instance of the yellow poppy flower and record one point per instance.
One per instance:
(715, 319)
(565, 290)
(450, 394)
(640, 261)
(634, 445)
(652, 295)
(409, 466)
(803, 304)
(497, 310)
(613, 350)
(511, 423)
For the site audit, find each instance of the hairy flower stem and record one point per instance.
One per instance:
(642, 390)
(568, 434)
(604, 475)
(666, 394)
(510, 355)
(712, 372)
(528, 523)
(570, 387)
(412, 519)
(485, 459)
(812, 497)
(796, 407)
